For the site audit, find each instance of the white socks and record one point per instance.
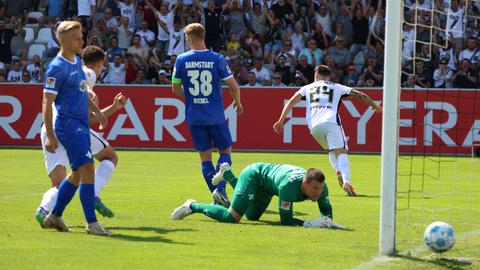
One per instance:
(344, 167)
(333, 160)
(103, 173)
(49, 199)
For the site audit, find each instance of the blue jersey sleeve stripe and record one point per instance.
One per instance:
(228, 77)
(45, 90)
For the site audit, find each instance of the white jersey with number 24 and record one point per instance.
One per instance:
(323, 101)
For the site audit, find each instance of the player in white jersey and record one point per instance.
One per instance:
(456, 25)
(323, 100)
(56, 162)
(176, 44)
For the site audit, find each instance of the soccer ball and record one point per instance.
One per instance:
(439, 237)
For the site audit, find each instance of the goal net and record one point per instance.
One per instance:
(432, 171)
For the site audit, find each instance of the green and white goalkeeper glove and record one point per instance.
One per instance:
(323, 222)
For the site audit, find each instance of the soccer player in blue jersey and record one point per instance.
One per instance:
(66, 87)
(201, 72)
(56, 163)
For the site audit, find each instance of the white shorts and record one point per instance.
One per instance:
(52, 160)
(330, 136)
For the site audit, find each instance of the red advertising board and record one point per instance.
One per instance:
(431, 121)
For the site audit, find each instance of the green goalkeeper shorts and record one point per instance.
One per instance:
(249, 198)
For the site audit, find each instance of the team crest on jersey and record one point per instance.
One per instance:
(285, 205)
(50, 82)
(83, 85)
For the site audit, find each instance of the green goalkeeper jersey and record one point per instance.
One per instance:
(285, 182)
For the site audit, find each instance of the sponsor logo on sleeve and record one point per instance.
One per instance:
(285, 205)
(83, 86)
(228, 69)
(50, 82)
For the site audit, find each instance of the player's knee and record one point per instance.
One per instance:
(57, 175)
(340, 151)
(253, 215)
(108, 154)
(86, 167)
(231, 219)
(114, 158)
(205, 155)
(86, 173)
(73, 178)
(233, 216)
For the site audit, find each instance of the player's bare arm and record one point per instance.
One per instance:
(177, 89)
(119, 102)
(93, 96)
(98, 113)
(51, 143)
(294, 100)
(235, 93)
(366, 99)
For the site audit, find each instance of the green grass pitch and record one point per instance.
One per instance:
(147, 186)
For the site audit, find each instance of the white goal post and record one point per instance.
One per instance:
(390, 124)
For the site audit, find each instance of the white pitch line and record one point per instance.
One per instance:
(381, 260)
(9, 197)
(377, 261)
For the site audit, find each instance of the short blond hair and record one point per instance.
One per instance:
(67, 26)
(195, 31)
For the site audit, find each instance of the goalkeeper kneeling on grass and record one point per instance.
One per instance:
(254, 190)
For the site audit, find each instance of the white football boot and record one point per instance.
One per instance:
(183, 211)
(96, 228)
(218, 177)
(54, 222)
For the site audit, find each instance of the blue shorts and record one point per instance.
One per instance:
(205, 137)
(75, 138)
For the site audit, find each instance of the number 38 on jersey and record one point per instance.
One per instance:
(201, 81)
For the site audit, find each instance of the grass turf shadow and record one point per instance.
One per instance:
(447, 263)
(367, 196)
(246, 222)
(277, 223)
(138, 238)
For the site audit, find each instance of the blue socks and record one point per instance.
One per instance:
(208, 172)
(87, 197)
(66, 191)
(222, 159)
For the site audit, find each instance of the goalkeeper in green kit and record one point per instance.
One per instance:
(254, 190)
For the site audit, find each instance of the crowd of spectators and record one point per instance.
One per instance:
(266, 42)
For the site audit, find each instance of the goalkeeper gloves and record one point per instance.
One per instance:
(323, 222)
